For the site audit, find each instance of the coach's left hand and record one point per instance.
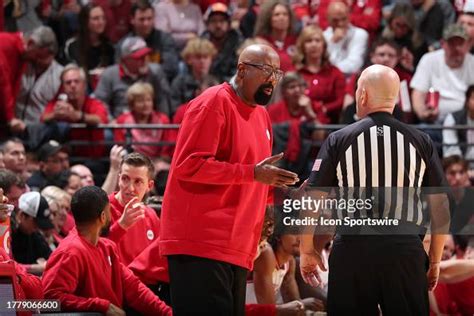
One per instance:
(433, 275)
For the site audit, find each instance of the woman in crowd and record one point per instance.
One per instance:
(325, 82)
(181, 18)
(401, 27)
(140, 98)
(90, 49)
(276, 24)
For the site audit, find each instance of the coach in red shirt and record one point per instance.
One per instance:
(217, 188)
(85, 272)
(134, 225)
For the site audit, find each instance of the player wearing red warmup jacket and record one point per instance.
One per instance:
(85, 272)
(134, 225)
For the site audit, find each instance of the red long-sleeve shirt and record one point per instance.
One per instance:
(213, 207)
(326, 90)
(11, 70)
(84, 277)
(132, 242)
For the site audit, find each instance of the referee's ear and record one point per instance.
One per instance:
(362, 103)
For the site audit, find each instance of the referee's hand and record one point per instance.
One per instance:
(309, 262)
(432, 275)
(267, 173)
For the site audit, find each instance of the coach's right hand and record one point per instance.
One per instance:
(267, 173)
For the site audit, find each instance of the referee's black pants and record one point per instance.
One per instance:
(366, 272)
(201, 286)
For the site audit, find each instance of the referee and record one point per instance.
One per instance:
(390, 272)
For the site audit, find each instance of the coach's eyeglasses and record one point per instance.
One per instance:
(267, 70)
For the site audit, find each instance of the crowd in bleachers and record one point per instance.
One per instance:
(140, 62)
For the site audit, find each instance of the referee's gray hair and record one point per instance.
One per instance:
(73, 66)
(44, 37)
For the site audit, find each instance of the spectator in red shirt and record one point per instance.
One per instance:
(75, 106)
(117, 15)
(294, 105)
(86, 274)
(140, 98)
(218, 187)
(134, 225)
(276, 24)
(326, 82)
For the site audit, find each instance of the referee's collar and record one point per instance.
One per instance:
(380, 113)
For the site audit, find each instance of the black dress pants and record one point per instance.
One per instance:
(201, 286)
(368, 272)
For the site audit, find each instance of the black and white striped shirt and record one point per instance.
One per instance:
(379, 153)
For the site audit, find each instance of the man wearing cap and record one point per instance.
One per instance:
(75, 106)
(28, 245)
(51, 166)
(225, 39)
(164, 51)
(447, 71)
(132, 67)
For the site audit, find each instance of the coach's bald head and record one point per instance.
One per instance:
(377, 90)
(257, 74)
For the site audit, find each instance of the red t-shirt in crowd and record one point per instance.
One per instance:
(326, 91)
(285, 50)
(11, 70)
(132, 242)
(91, 106)
(147, 135)
(118, 18)
(213, 207)
(87, 277)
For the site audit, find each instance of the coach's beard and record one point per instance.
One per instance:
(260, 96)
